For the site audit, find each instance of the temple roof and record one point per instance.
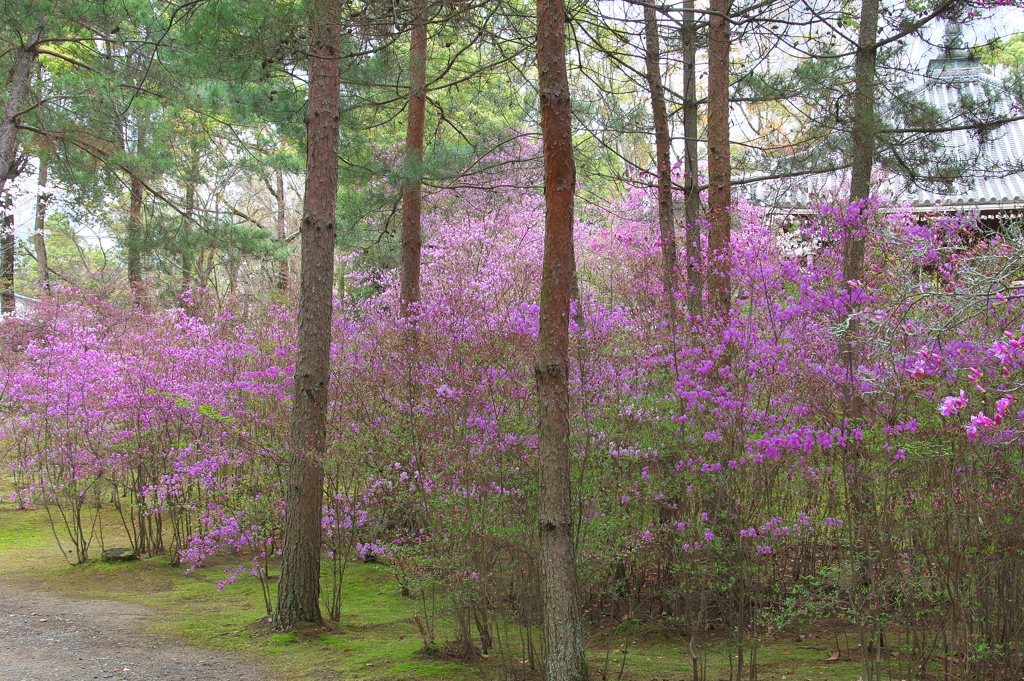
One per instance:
(991, 176)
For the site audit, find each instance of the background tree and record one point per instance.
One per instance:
(39, 230)
(719, 159)
(691, 173)
(663, 165)
(478, 101)
(864, 133)
(412, 204)
(18, 88)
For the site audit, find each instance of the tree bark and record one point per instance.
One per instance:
(719, 166)
(865, 124)
(133, 241)
(282, 235)
(691, 186)
(7, 301)
(39, 233)
(864, 135)
(298, 596)
(187, 266)
(663, 159)
(194, 177)
(564, 655)
(865, 130)
(412, 238)
(20, 80)
(132, 140)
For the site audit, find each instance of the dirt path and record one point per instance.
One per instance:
(45, 638)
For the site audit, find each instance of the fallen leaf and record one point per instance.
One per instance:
(834, 657)
(785, 652)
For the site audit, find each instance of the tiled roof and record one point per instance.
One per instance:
(993, 177)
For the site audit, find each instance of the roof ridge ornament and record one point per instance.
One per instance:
(956, 58)
(954, 42)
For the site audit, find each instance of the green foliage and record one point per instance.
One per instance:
(1004, 52)
(85, 260)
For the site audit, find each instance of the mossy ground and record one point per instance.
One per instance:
(377, 637)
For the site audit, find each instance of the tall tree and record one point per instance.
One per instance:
(691, 184)
(564, 655)
(865, 125)
(17, 97)
(719, 162)
(18, 86)
(39, 233)
(133, 119)
(7, 244)
(663, 161)
(280, 214)
(188, 218)
(864, 136)
(133, 240)
(298, 596)
(412, 184)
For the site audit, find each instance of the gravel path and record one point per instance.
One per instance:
(43, 638)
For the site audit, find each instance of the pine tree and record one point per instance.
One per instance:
(298, 596)
(17, 98)
(564, 654)
(719, 160)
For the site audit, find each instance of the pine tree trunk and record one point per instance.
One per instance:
(691, 185)
(20, 80)
(188, 222)
(282, 235)
(564, 655)
(133, 242)
(298, 596)
(663, 158)
(719, 166)
(412, 238)
(39, 234)
(7, 301)
(187, 266)
(865, 129)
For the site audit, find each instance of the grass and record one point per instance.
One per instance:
(377, 637)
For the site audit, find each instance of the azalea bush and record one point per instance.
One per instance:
(720, 476)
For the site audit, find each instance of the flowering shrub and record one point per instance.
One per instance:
(714, 472)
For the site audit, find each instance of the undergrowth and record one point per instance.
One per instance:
(377, 637)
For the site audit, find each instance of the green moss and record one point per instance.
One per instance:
(24, 530)
(377, 637)
(283, 639)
